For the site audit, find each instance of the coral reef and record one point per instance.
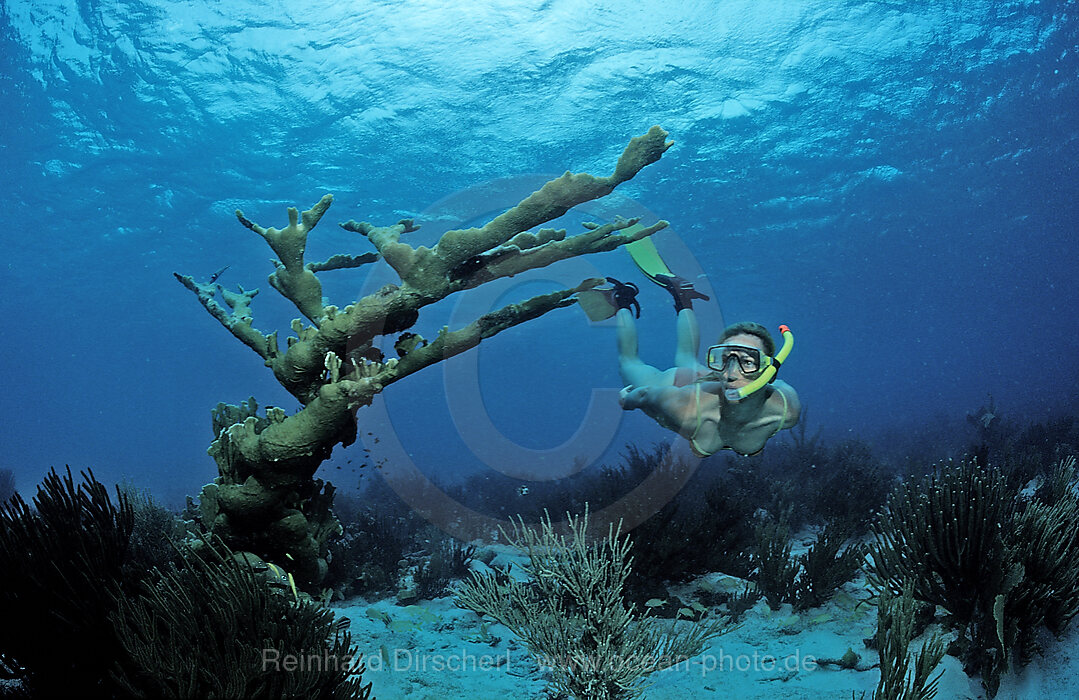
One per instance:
(808, 580)
(1000, 564)
(824, 568)
(199, 624)
(63, 562)
(705, 529)
(572, 616)
(213, 627)
(899, 678)
(154, 531)
(775, 570)
(366, 559)
(450, 560)
(265, 499)
(842, 483)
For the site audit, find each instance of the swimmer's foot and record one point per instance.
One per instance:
(624, 295)
(601, 304)
(682, 291)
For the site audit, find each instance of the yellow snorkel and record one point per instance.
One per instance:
(768, 374)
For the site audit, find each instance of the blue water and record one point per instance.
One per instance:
(896, 181)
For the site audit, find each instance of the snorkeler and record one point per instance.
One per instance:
(733, 401)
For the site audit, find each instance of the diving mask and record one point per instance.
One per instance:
(752, 362)
(749, 359)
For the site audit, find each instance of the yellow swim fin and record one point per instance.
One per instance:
(646, 256)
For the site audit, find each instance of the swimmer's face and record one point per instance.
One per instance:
(732, 375)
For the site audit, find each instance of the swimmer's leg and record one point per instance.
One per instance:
(633, 370)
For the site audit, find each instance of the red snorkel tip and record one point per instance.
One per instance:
(784, 328)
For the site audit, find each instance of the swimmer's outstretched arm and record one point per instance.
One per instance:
(689, 340)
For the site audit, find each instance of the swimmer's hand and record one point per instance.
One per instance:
(632, 397)
(667, 405)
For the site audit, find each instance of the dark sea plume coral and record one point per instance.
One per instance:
(1001, 564)
(808, 580)
(84, 616)
(214, 627)
(63, 563)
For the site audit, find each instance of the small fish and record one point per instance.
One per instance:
(522, 490)
(376, 614)
(213, 277)
(279, 578)
(421, 613)
(403, 626)
(654, 603)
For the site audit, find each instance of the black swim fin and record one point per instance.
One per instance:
(601, 304)
(682, 291)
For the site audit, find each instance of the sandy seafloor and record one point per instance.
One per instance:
(434, 650)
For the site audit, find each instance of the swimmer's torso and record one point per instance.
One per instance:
(709, 433)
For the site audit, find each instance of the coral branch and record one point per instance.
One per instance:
(342, 262)
(450, 343)
(511, 259)
(552, 200)
(292, 278)
(387, 241)
(238, 321)
(426, 269)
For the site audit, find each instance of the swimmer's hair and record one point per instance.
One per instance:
(750, 328)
